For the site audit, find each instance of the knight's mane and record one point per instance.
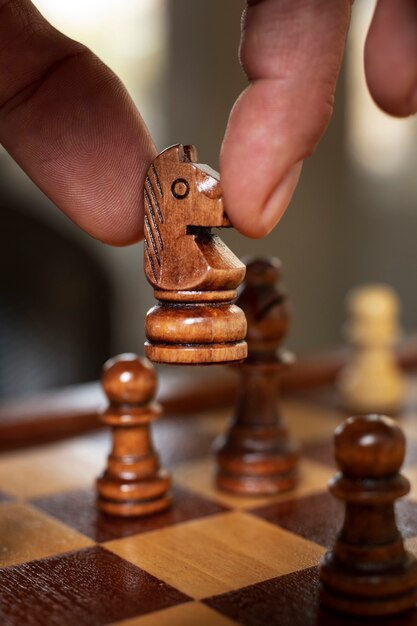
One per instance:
(154, 218)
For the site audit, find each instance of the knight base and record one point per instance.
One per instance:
(195, 333)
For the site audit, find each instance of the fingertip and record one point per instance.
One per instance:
(280, 198)
(389, 57)
(399, 100)
(115, 217)
(266, 140)
(259, 219)
(108, 202)
(291, 50)
(119, 231)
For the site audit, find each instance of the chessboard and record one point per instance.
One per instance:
(212, 559)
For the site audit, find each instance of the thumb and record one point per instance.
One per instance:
(291, 51)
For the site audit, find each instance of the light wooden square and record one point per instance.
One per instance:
(189, 614)
(217, 554)
(199, 477)
(26, 534)
(50, 469)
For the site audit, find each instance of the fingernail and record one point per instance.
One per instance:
(279, 199)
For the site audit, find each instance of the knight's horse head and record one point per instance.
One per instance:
(183, 200)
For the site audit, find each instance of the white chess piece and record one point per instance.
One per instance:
(372, 381)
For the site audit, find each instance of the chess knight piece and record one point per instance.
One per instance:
(193, 273)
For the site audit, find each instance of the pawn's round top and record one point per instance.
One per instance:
(129, 379)
(369, 446)
(260, 271)
(373, 301)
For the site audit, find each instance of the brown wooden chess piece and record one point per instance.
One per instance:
(256, 456)
(369, 572)
(193, 273)
(133, 483)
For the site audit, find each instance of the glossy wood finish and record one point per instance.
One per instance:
(369, 572)
(86, 587)
(189, 565)
(270, 544)
(133, 483)
(77, 509)
(193, 273)
(256, 456)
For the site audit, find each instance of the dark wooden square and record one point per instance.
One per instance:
(319, 517)
(85, 588)
(78, 510)
(291, 600)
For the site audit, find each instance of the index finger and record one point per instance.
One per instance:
(71, 125)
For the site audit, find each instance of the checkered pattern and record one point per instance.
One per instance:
(212, 560)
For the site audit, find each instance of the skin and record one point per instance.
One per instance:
(70, 124)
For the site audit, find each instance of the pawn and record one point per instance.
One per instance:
(133, 483)
(372, 382)
(369, 572)
(256, 455)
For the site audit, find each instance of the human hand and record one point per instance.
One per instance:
(70, 124)
(291, 51)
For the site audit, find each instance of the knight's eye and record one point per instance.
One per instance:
(180, 188)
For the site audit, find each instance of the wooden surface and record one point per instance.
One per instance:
(193, 273)
(212, 559)
(73, 410)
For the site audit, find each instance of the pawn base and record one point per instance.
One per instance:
(368, 593)
(189, 332)
(256, 460)
(134, 508)
(250, 485)
(246, 472)
(134, 498)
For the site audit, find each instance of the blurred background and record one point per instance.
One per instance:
(67, 302)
